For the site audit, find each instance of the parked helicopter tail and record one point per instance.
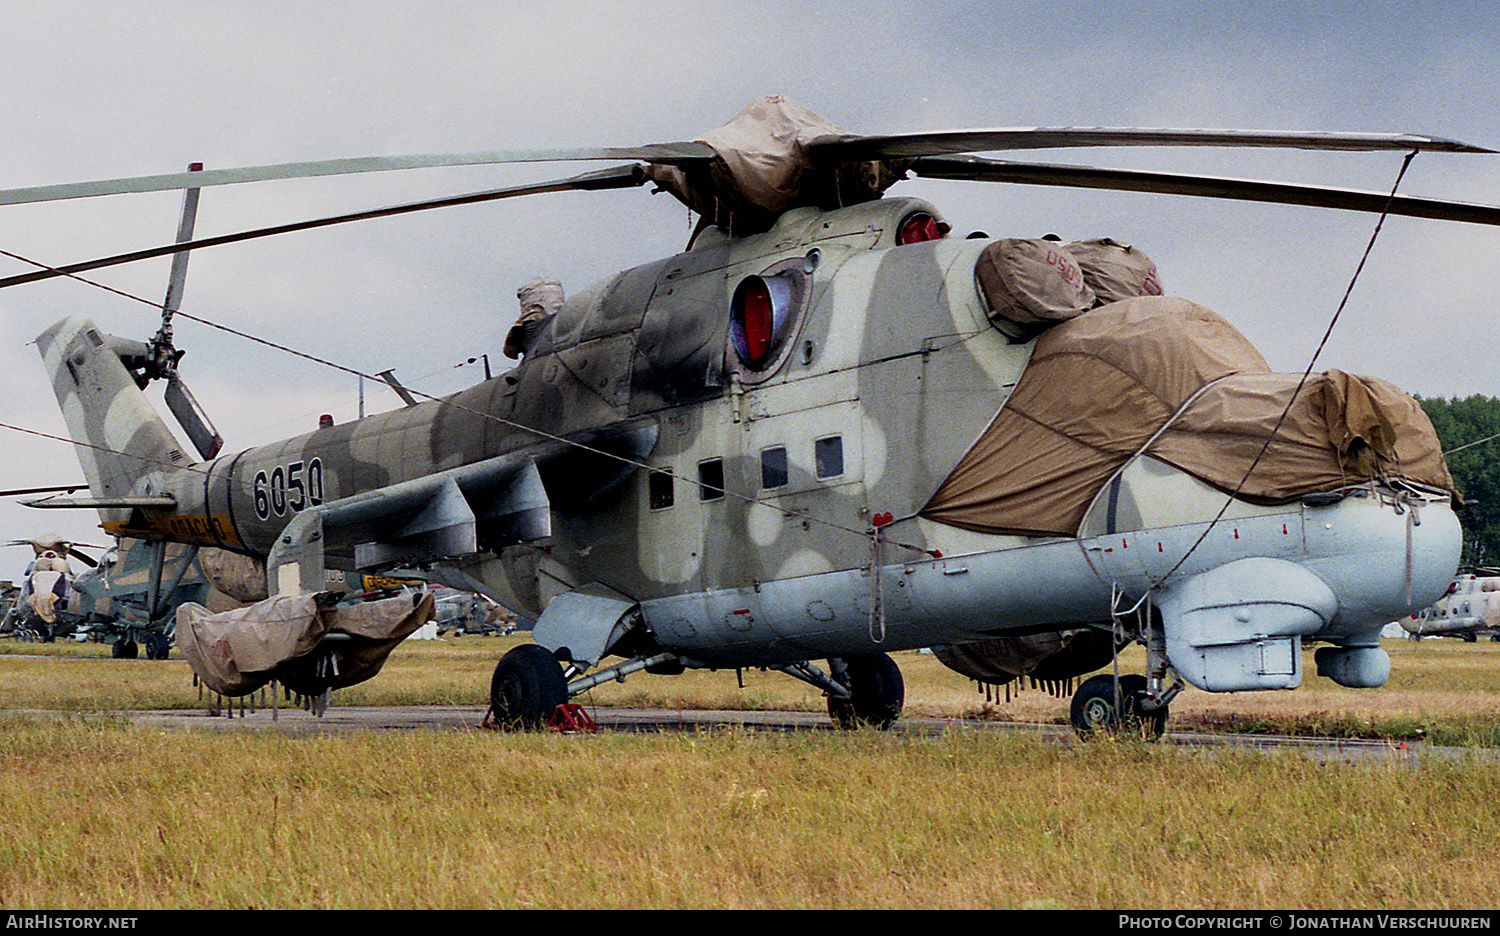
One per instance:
(121, 442)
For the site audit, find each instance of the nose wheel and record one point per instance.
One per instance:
(1098, 710)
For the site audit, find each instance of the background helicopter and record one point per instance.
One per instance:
(45, 606)
(1296, 225)
(1468, 610)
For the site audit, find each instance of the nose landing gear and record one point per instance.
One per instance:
(1103, 707)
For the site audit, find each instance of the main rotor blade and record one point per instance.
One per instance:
(905, 145)
(976, 169)
(617, 177)
(668, 153)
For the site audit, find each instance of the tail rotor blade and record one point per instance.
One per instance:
(178, 276)
(194, 420)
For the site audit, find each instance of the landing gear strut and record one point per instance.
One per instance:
(876, 691)
(1097, 710)
(527, 686)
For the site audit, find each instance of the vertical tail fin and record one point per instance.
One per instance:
(116, 432)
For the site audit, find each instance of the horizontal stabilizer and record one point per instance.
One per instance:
(157, 501)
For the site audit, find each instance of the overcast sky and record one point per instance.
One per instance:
(101, 90)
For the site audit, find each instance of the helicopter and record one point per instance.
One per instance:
(1470, 608)
(112, 599)
(825, 431)
(42, 606)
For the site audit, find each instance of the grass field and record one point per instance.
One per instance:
(100, 813)
(1443, 690)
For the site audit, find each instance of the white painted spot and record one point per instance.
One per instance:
(671, 541)
(874, 452)
(764, 524)
(804, 562)
(288, 579)
(849, 302)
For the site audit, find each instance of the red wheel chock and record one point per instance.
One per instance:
(572, 718)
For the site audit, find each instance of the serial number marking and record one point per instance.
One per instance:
(294, 486)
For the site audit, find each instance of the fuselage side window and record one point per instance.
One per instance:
(711, 479)
(659, 491)
(773, 467)
(828, 457)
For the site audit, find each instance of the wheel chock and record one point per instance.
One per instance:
(571, 718)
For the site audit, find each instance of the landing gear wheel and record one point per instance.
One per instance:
(123, 649)
(1095, 711)
(158, 647)
(876, 693)
(528, 684)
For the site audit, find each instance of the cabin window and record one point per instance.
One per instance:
(659, 490)
(828, 457)
(773, 467)
(711, 479)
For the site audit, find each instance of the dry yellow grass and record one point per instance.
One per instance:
(103, 814)
(1446, 690)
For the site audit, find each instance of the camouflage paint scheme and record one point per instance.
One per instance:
(888, 348)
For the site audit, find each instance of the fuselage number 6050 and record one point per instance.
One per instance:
(297, 486)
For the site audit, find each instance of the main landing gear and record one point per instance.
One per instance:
(157, 644)
(876, 691)
(530, 685)
(1101, 707)
(527, 688)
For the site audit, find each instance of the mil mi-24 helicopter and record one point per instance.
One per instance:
(828, 430)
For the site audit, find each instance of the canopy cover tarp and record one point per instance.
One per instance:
(1171, 379)
(764, 168)
(236, 652)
